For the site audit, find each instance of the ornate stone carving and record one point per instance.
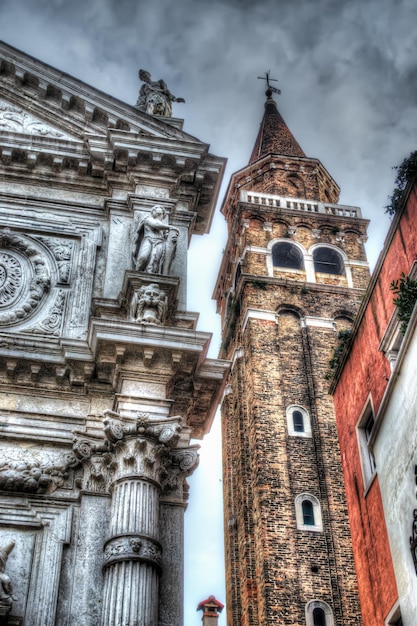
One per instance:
(23, 472)
(62, 251)
(155, 97)
(166, 433)
(51, 324)
(154, 242)
(14, 119)
(11, 278)
(132, 548)
(149, 305)
(6, 590)
(20, 295)
(181, 463)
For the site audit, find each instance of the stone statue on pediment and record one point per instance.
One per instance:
(154, 97)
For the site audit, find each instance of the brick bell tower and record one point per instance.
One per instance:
(291, 280)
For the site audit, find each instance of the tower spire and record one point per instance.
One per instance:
(274, 136)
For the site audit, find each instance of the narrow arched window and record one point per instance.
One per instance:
(319, 613)
(328, 261)
(319, 618)
(298, 421)
(308, 513)
(286, 254)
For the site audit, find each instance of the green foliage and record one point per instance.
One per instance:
(405, 291)
(405, 172)
(343, 337)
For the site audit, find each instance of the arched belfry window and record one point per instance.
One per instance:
(328, 261)
(308, 513)
(298, 421)
(319, 613)
(286, 254)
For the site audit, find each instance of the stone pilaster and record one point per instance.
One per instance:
(173, 502)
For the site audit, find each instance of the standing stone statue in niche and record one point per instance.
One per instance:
(155, 243)
(149, 305)
(6, 591)
(154, 97)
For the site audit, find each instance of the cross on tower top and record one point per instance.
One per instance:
(270, 89)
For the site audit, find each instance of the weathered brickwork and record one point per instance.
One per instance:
(279, 329)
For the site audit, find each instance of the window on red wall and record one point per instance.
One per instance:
(365, 427)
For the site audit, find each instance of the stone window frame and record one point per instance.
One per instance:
(291, 244)
(394, 616)
(345, 259)
(318, 522)
(363, 434)
(310, 274)
(318, 604)
(270, 265)
(306, 433)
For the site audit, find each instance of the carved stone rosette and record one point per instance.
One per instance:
(132, 554)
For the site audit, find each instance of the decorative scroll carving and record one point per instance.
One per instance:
(154, 242)
(12, 277)
(132, 548)
(62, 251)
(51, 324)
(155, 97)
(166, 433)
(149, 305)
(6, 590)
(181, 463)
(17, 120)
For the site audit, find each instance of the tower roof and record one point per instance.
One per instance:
(274, 136)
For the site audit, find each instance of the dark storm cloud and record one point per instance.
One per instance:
(348, 74)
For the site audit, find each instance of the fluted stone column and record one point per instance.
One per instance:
(132, 554)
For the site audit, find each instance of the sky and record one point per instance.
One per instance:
(348, 75)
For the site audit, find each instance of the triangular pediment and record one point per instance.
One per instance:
(14, 119)
(69, 106)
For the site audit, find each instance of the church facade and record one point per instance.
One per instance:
(104, 379)
(291, 281)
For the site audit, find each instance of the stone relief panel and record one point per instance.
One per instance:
(15, 119)
(51, 324)
(36, 472)
(25, 277)
(63, 251)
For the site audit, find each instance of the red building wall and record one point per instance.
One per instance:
(366, 372)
